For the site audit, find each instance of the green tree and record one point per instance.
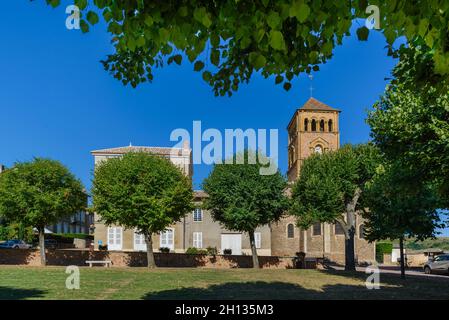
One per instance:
(141, 191)
(242, 199)
(401, 205)
(330, 189)
(415, 71)
(411, 127)
(40, 193)
(228, 40)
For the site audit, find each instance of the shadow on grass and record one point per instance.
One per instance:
(392, 287)
(8, 293)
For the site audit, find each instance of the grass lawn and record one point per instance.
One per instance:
(139, 283)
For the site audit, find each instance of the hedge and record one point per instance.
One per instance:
(383, 248)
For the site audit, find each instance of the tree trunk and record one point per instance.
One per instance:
(349, 250)
(349, 227)
(42, 245)
(401, 249)
(254, 250)
(150, 254)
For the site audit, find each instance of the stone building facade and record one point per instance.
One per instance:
(196, 229)
(313, 128)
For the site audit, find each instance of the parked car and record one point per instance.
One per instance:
(15, 244)
(440, 264)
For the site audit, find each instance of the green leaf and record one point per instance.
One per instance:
(273, 20)
(178, 59)
(215, 57)
(277, 40)
(287, 86)
(207, 76)
(257, 60)
(363, 33)
(198, 66)
(202, 16)
(140, 42)
(164, 34)
(300, 10)
(149, 21)
(107, 15)
(84, 26)
(92, 17)
(54, 3)
(279, 79)
(215, 40)
(82, 4)
(131, 43)
(206, 20)
(183, 11)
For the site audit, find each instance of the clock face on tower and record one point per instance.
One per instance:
(318, 150)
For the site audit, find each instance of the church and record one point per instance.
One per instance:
(313, 128)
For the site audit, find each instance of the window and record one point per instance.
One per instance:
(198, 240)
(167, 239)
(339, 229)
(330, 126)
(290, 231)
(316, 229)
(198, 215)
(139, 242)
(322, 125)
(313, 125)
(306, 125)
(362, 231)
(257, 239)
(115, 238)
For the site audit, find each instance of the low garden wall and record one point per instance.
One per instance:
(138, 259)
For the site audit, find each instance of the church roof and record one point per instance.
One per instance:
(155, 150)
(314, 105)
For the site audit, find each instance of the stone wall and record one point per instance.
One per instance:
(138, 259)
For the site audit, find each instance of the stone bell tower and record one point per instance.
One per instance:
(313, 128)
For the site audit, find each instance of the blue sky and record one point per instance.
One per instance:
(57, 101)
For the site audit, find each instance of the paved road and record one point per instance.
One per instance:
(397, 270)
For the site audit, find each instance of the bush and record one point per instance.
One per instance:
(227, 251)
(68, 237)
(16, 231)
(212, 251)
(192, 250)
(164, 250)
(383, 248)
(103, 247)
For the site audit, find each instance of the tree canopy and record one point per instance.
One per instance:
(413, 127)
(40, 193)
(141, 191)
(228, 40)
(242, 199)
(330, 189)
(401, 205)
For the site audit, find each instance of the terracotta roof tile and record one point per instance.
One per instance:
(314, 104)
